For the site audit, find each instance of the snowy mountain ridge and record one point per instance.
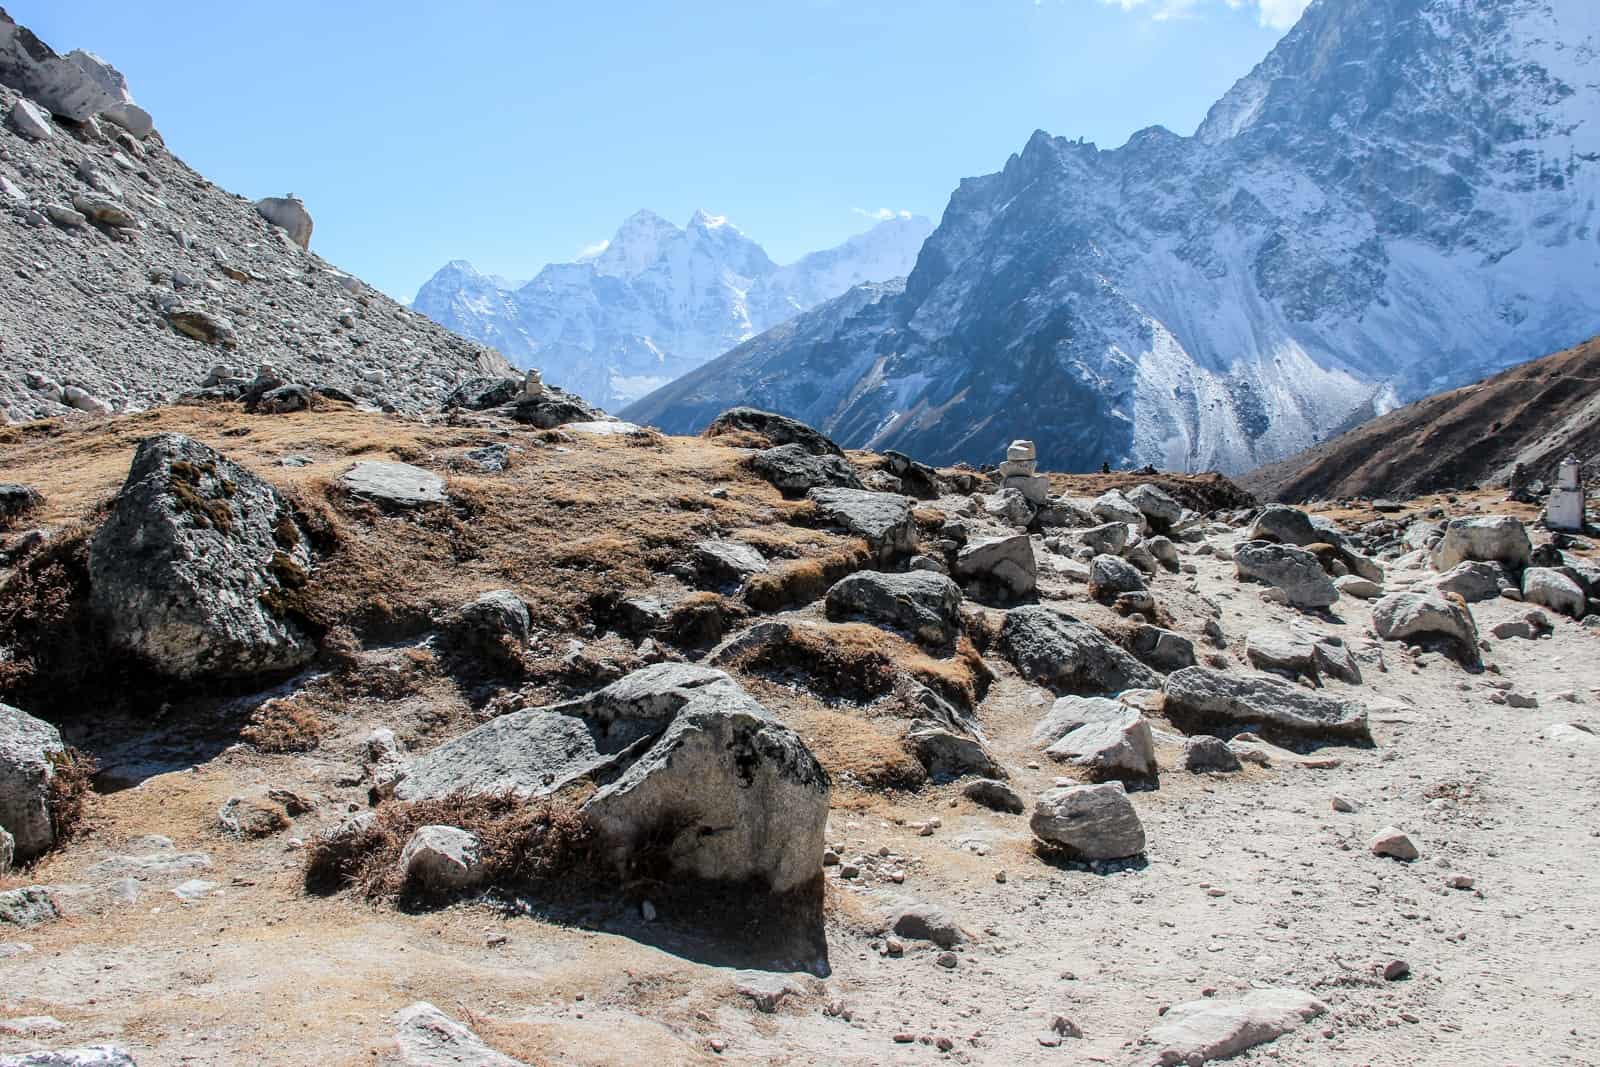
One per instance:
(1401, 197)
(656, 300)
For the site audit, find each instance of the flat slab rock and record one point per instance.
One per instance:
(1203, 701)
(397, 484)
(1218, 1029)
(427, 1037)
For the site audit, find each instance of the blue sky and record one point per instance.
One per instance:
(514, 134)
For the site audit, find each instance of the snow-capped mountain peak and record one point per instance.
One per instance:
(1404, 195)
(657, 300)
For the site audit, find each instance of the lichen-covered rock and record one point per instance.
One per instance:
(794, 470)
(922, 603)
(1056, 650)
(1111, 576)
(28, 747)
(193, 570)
(884, 519)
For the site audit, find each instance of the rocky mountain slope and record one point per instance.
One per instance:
(1400, 198)
(657, 301)
(1533, 415)
(129, 276)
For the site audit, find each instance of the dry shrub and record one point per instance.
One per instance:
(928, 520)
(58, 660)
(71, 786)
(286, 725)
(523, 841)
(803, 581)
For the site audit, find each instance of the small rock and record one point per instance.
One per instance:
(1394, 843)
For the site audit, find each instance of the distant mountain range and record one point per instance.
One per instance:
(1400, 198)
(657, 301)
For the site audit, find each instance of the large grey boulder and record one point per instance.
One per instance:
(1285, 525)
(1285, 567)
(1488, 538)
(1423, 616)
(1114, 506)
(27, 748)
(779, 429)
(1158, 508)
(1472, 581)
(290, 214)
(396, 485)
(1070, 712)
(883, 519)
(190, 570)
(1552, 589)
(1200, 1031)
(1106, 539)
(1000, 566)
(119, 107)
(924, 604)
(1204, 701)
(63, 84)
(1122, 749)
(1089, 822)
(1111, 576)
(794, 470)
(686, 762)
(1054, 649)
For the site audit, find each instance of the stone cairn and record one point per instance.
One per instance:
(1565, 509)
(1017, 472)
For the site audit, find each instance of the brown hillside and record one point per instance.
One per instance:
(1533, 414)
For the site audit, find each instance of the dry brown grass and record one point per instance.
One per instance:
(866, 753)
(289, 724)
(858, 663)
(803, 581)
(522, 841)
